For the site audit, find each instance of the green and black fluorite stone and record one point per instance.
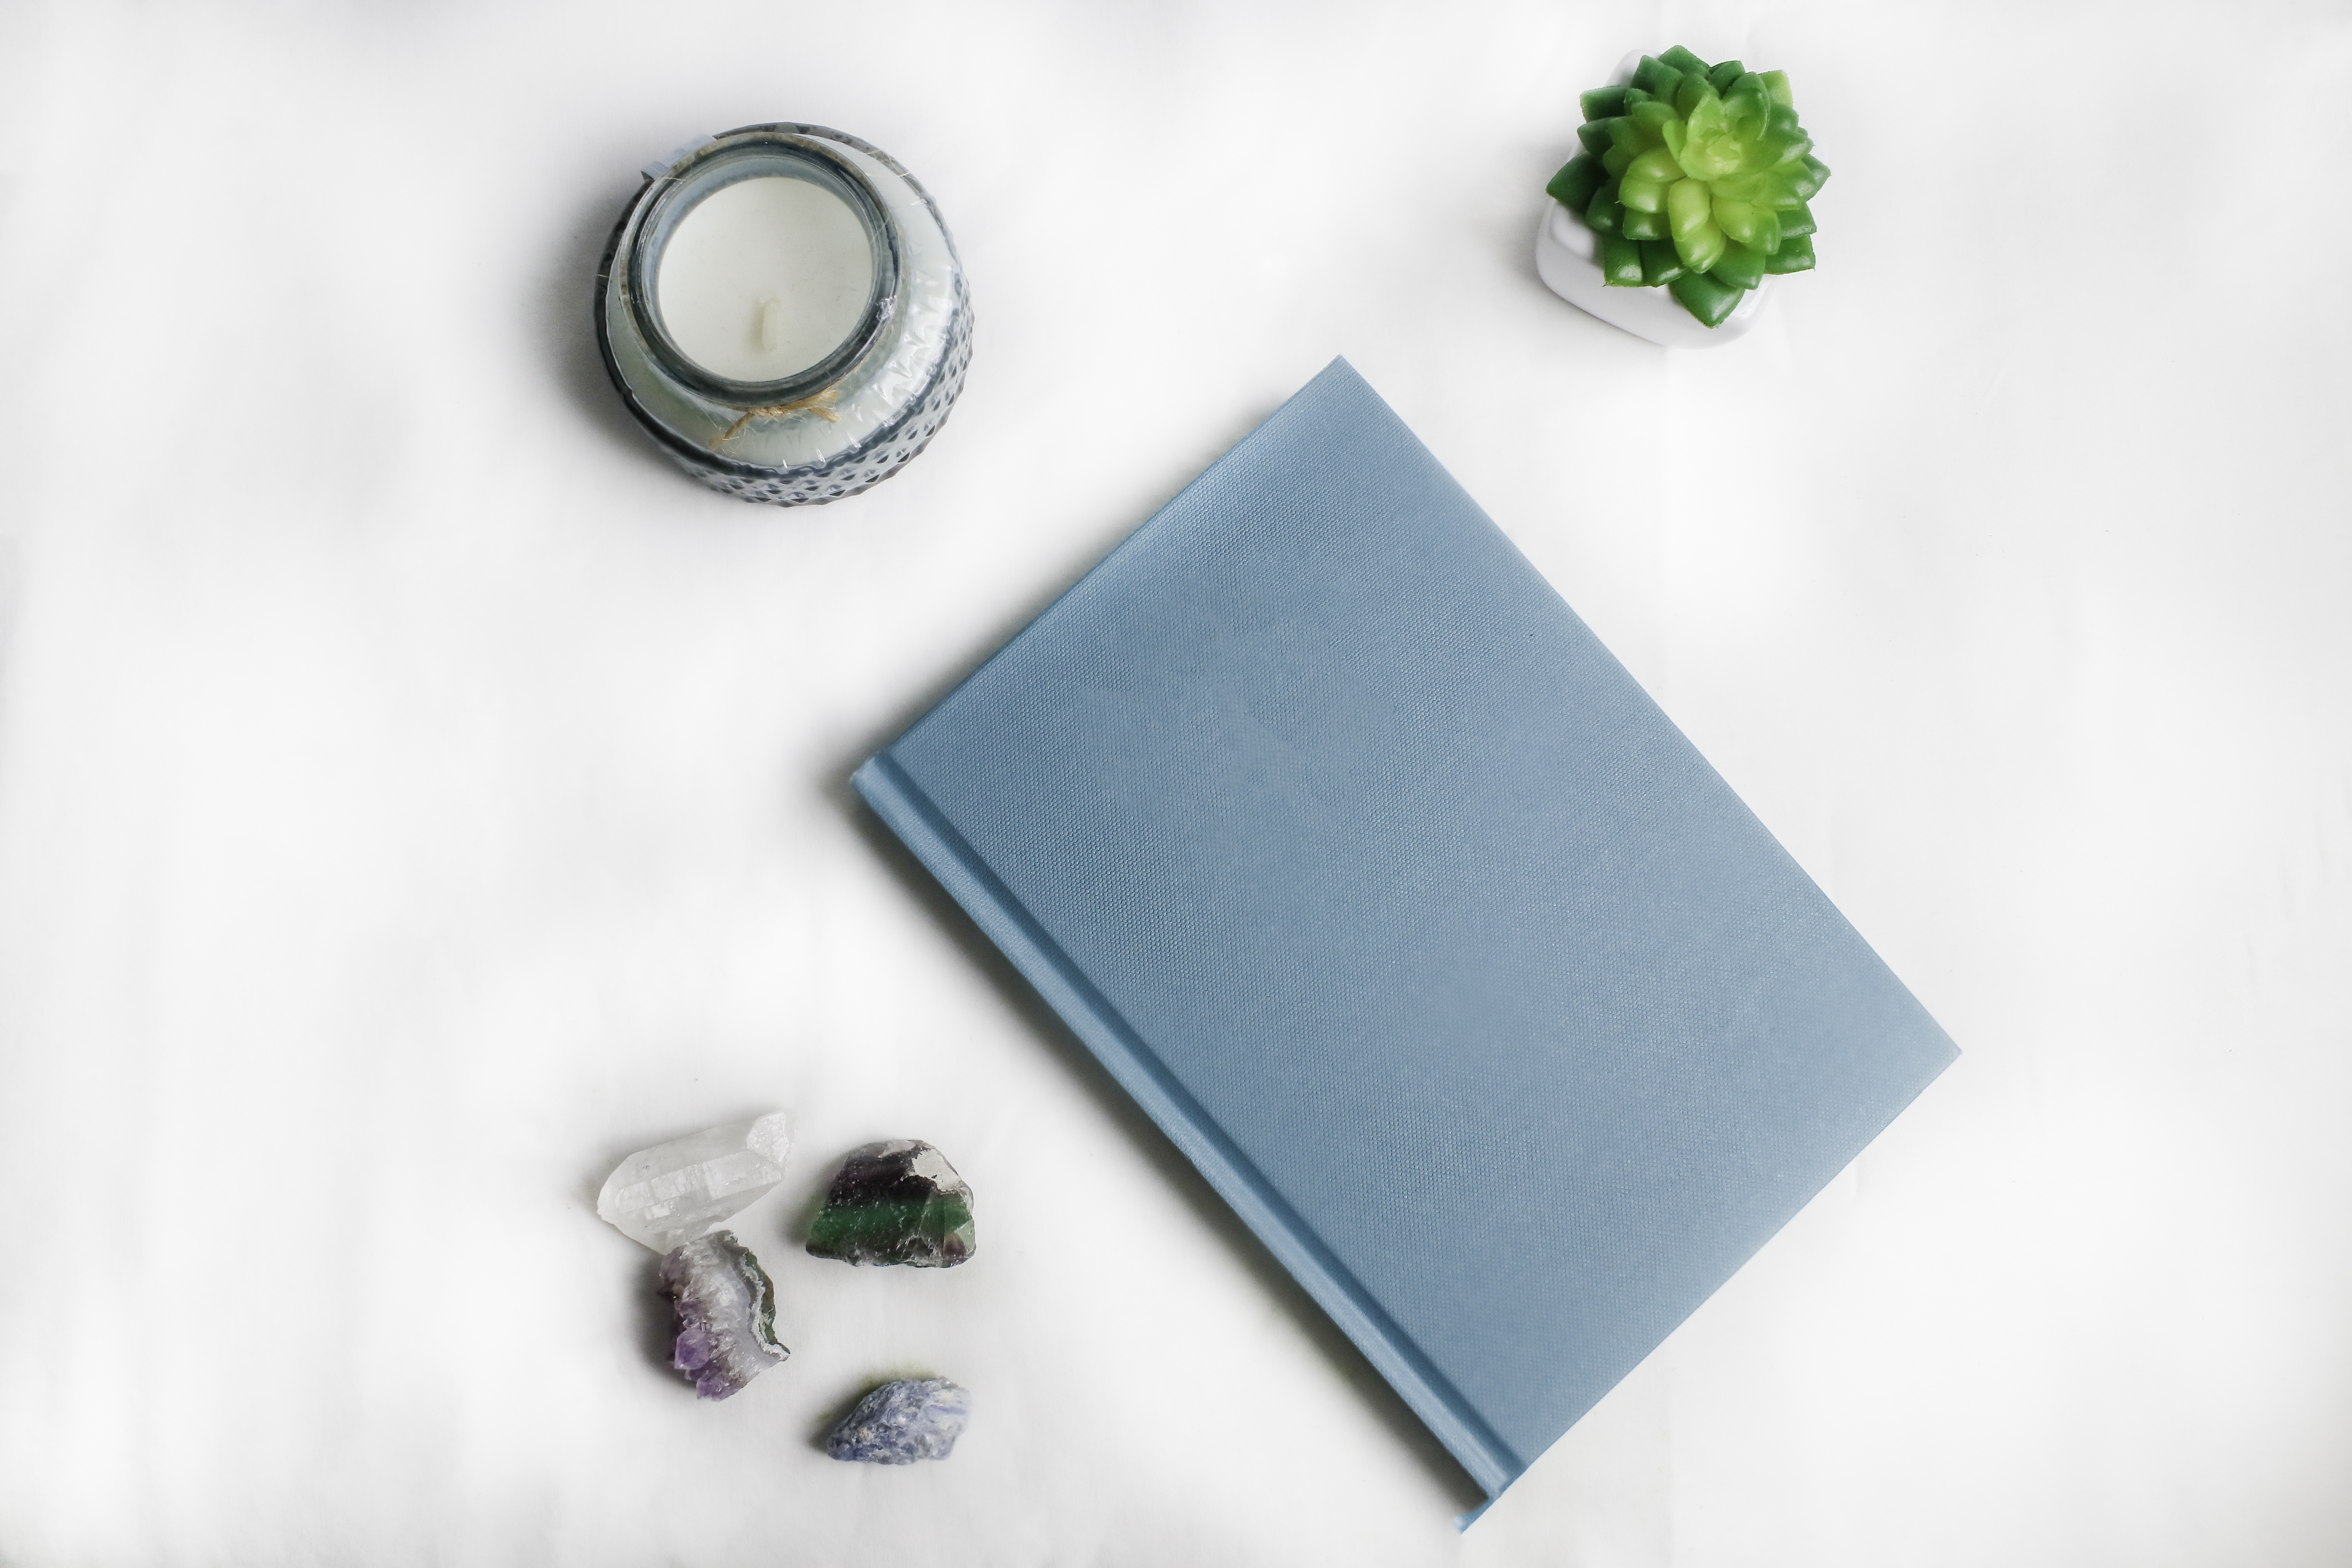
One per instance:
(898, 1201)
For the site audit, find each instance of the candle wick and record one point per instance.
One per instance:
(819, 404)
(769, 326)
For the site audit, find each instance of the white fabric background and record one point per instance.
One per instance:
(415, 795)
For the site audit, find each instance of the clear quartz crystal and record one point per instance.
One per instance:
(673, 1193)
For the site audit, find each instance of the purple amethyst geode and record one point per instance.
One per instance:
(899, 1423)
(726, 1308)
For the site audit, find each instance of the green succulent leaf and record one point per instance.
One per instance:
(1620, 262)
(1577, 181)
(1795, 256)
(1764, 189)
(1741, 265)
(1652, 75)
(1687, 206)
(1640, 224)
(1650, 120)
(1755, 226)
(1702, 247)
(1695, 178)
(1645, 180)
(1603, 102)
(1805, 177)
(1707, 298)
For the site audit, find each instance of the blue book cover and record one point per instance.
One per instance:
(1398, 904)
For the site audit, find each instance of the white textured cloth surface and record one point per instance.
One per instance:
(415, 795)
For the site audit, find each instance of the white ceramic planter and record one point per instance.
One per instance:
(1568, 260)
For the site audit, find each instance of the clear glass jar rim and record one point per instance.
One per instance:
(748, 154)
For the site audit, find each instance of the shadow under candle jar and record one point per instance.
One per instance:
(781, 307)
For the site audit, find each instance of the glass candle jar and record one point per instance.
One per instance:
(783, 310)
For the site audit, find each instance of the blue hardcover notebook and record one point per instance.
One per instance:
(1399, 905)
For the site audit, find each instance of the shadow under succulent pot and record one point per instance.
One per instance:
(782, 309)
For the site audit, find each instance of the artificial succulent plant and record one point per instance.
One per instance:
(1695, 178)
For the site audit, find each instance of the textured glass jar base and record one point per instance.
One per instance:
(863, 467)
(877, 416)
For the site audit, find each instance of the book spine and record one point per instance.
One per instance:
(908, 812)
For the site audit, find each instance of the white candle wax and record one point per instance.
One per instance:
(764, 277)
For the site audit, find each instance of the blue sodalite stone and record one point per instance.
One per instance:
(898, 1423)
